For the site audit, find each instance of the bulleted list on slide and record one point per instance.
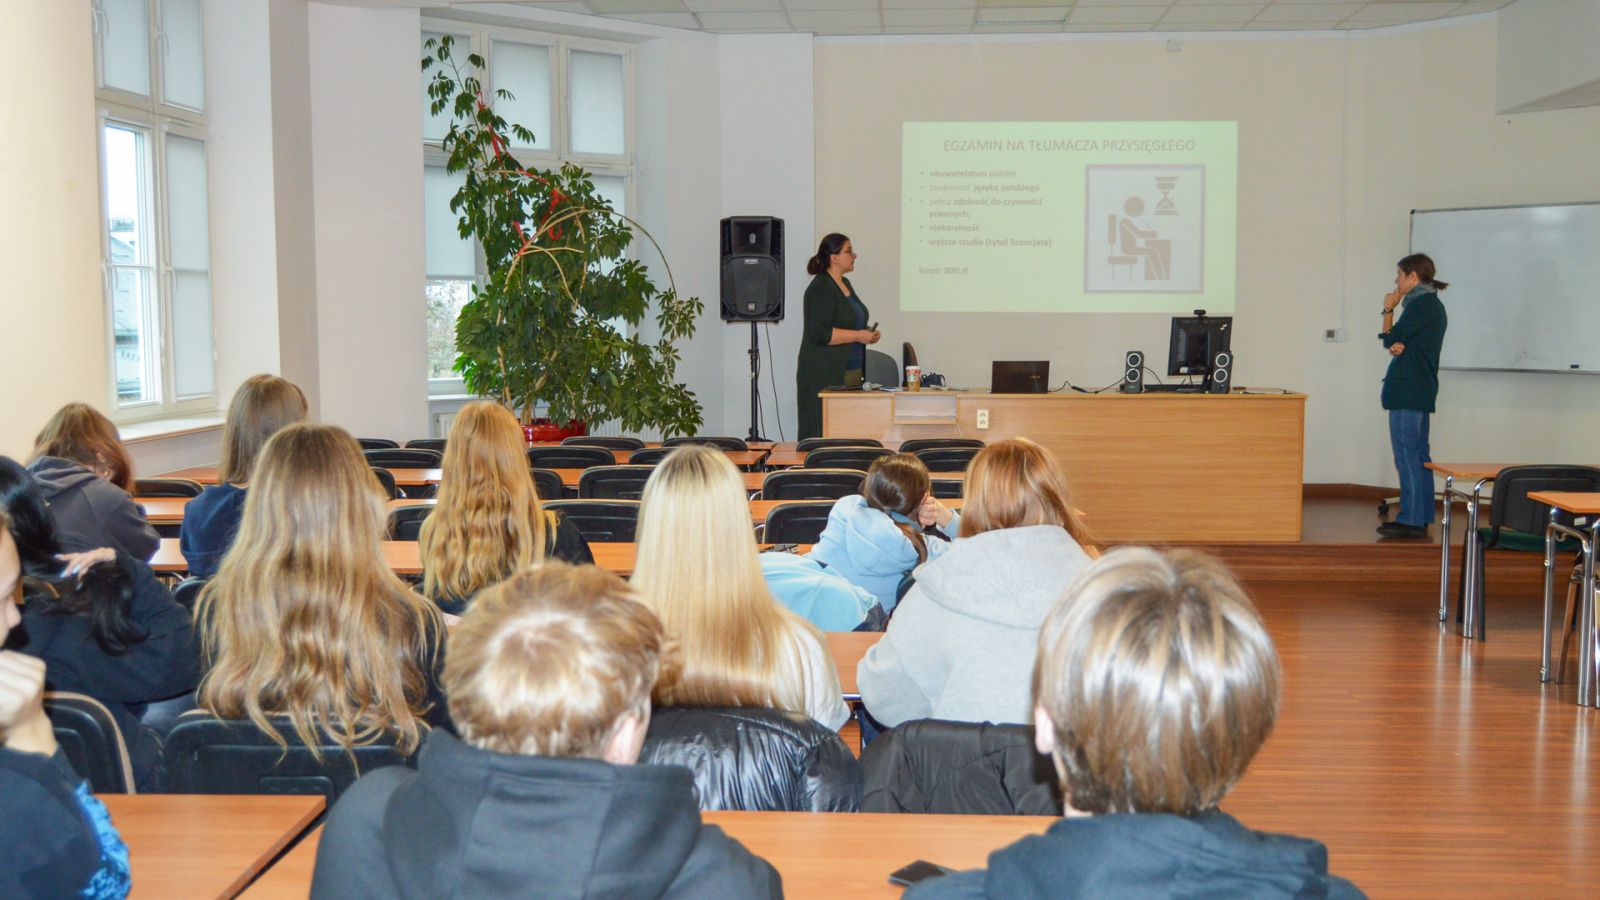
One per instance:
(1068, 216)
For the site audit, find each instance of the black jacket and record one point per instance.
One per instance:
(820, 365)
(475, 823)
(756, 759)
(91, 512)
(934, 766)
(1139, 855)
(56, 839)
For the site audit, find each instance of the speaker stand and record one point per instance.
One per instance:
(755, 386)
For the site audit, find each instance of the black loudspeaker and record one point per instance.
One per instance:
(1221, 379)
(752, 269)
(1133, 372)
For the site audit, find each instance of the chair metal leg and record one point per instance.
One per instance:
(1569, 623)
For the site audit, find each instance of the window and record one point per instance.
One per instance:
(150, 88)
(576, 96)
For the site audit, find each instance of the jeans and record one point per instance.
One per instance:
(1408, 434)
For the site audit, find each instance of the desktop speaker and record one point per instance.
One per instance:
(1133, 372)
(1221, 380)
(752, 269)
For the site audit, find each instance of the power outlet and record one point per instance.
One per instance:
(983, 418)
(1333, 335)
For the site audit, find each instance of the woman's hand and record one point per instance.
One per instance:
(23, 724)
(932, 512)
(873, 337)
(79, 563)
(1393, 298)
(1396, 348)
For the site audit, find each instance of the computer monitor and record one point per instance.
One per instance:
(1195, 340)
(1009, 377)
(908, 357)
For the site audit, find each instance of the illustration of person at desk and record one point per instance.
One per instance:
(1134, 242)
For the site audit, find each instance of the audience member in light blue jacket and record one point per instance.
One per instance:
(874, 538)
(816, 594)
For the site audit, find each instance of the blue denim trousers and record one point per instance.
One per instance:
(1408, 434)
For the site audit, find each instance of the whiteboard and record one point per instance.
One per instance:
(1524, 291)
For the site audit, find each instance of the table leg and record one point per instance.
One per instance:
(1586, 627)
(1469, 564)
(1549, 591)
(1444, 549)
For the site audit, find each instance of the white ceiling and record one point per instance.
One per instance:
(1016, 16)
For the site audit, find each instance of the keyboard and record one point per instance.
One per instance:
(1175, 389)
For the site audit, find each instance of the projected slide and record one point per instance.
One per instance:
(1068, 216)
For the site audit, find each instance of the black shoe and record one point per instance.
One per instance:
(1401, 530)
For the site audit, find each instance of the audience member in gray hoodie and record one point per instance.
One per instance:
(86, 477)
(549, 677)
(960, 646)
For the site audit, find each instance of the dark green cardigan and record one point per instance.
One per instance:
(1412, 381)
(820, 365)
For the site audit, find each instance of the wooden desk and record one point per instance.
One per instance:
(197, 845)
(402, 477)
(1581, 505)
(847, 648)
(833, 855)
(1482, 474)
(1145, 467)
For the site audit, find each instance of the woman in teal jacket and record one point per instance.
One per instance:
(833, 348)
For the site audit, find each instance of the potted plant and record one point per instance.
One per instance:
(543, 327)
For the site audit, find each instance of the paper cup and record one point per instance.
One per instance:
(913, 378)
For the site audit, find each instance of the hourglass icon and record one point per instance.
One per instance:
(1165, 206)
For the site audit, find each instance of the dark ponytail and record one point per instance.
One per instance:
(832, 244)
(1420, 265)
(897, 483)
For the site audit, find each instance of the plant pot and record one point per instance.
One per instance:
(543, 431)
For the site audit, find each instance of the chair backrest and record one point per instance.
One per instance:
(844, 457)
(1513, 509)
(600, 521)
(949, 488)
(405, 522)
(722, 443)
(405, 459)
(648, 456)
(610, 442)
(811, 484)
(166, 487)
(377, 443)
(88, 735)
(427, 444)
(947, 459)
(208, 755)
(570, 456)
(756, 759)
(386, 481)
(797, 523)
(187, 592)
(548, 484)
(912, 446)
(881, 369)
(934, 766)
(613, 482)
(810, 444)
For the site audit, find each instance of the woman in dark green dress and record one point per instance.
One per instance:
(833, 350)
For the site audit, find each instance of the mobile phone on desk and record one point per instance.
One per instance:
(921, 870)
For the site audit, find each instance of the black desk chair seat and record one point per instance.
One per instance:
(405, 522)
(817, 443)
(386, 482)
(721, 443)
(548, 484)
(756, 759)
(844, 457)
(811, 484)
(166, 487)
(392, 458)
(427, 444)
(610, 442)
(935, 766)
(947, 459)
(613, 482)
(570, 456)
(600, 521)
(377, 443)
(912, 446)
(801, 522)
(88, 735)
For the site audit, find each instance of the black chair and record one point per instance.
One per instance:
(393, 458)
(949, 488)
(947, 459)
(613, 482)
(912, 446)
(797, 523)
(377, 443)
(570, 457)
(405, 522)
(844, 457)
(723, 443)
(548, 484)
(756, 759)
(386, 481)
(607, 441)
(648, 456)
(810, 444)
(207, 755)
(88, 735)
(882, 369)
(811, 484)
(1517, 523)
(600, 521)
(427, 444)
(933, 766)
(166, 487)
(187, 592)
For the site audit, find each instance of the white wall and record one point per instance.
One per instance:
(1547, 55)
(366, 150)
(768, 169)
(293, 209)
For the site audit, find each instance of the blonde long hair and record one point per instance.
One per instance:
(488, 524)
(697, 568)
(305, 618)
(262, 405)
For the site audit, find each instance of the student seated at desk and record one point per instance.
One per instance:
(56, 839)
(549, 680)
(87, 478)
(1156, 685)
(820, 597)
